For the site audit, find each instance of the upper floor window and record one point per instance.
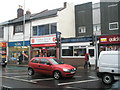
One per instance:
(35, 31)
(113, 26)
(96, 27)
(82, 29)
(18, 29)
(1, 32)
(44, 29)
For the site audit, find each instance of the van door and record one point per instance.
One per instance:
(91, 51)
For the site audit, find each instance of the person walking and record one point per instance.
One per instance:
(87, 61)
(20, 59)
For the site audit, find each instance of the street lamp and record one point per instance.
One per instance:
(23, 30)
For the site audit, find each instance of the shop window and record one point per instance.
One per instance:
(91, 52)
(67, 51)
(79, 52)
(113, 26)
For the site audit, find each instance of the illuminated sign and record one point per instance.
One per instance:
(110, 39)
(2, 44)
(43, 39)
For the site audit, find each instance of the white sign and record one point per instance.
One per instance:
(43, 39)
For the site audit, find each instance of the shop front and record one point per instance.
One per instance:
(44, 46)
(3, 51)
(109, 42)
(17, 48)
(73, 50)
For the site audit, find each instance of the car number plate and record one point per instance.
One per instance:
(72, 72)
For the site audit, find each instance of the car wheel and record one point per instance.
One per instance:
(57, 75)
(107, 79)
(30, 72)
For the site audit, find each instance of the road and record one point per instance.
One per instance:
(16, 78)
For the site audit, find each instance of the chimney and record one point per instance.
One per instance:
(28, 12)
(65, 4)
(20, 11)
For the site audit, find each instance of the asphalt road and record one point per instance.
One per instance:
(16, 78)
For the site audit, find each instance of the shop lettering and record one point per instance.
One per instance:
(114, 39)
(18, 44)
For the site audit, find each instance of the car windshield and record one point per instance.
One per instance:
(55, 61)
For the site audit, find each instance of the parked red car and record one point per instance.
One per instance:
(50, 66)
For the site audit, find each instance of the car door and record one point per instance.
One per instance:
(35, 64)
(44, 67)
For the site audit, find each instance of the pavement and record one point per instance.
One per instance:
(79, 67)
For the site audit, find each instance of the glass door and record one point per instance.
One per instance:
(91, 51)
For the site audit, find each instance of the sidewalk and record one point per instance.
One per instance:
(25, 65)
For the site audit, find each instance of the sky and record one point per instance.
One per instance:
(8, 8)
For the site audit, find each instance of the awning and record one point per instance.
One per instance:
(43, 45)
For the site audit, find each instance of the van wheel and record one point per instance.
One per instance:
(30, 72)
(107, 79)
(57, 75)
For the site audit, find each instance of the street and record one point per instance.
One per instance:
(15, 77)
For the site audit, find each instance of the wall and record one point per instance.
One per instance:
(19, 36)
(66, 21)
(109, 14)
(83, 18)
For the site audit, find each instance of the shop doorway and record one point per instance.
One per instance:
(48, 52)
(44, 53)
(91, 51)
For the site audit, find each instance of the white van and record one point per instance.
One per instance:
(109, 66)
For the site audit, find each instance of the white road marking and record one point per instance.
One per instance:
(19, 79)
(22, 76)
(14, 73)
(41, 79)
(92, 77)
(77, 82)
(6, 87)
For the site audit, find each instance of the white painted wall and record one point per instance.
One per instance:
(5, 38)
(19, 36)
(66, 21)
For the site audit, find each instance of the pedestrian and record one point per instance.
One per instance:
(20, 58)
(87, 61)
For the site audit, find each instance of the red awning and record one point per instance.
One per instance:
(43, 45)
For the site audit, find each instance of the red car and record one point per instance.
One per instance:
(50, 66)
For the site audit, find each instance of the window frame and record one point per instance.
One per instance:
(18, 28)
(112, 24)
(82, 29)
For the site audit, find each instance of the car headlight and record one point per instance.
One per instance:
(66, 70)
(75, 69)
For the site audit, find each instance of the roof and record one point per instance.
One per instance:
(40, 15)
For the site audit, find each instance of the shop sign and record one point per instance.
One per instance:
(2, 44)
(43, 39)
(72, 40)
(111, 39)
(19, 43)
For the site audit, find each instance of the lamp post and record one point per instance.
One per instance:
(58, 43)
(96, 47)
(23, 30)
